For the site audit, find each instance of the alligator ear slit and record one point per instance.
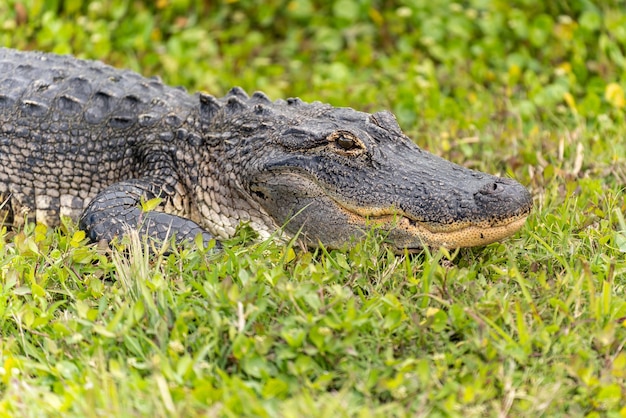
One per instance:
(209, 106)
(385, 120)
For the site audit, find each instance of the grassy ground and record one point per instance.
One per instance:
(532, 326)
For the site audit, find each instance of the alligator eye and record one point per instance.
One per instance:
(345, 141)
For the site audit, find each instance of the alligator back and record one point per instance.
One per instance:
(69, 128)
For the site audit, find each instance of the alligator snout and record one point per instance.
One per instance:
(500, 207)
(503, 198)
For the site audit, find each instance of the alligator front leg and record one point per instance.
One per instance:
(117, 209)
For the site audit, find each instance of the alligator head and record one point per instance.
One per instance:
(331, 174)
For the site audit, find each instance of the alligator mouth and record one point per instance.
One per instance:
(407, 232)
(466, 236)
(403, 230)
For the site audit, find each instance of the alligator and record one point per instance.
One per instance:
(84, 140)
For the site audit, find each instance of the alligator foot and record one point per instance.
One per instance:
(116, 209)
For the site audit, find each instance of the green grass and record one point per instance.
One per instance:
(532, 326)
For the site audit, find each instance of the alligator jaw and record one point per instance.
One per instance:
(304, 205)
(413, 235)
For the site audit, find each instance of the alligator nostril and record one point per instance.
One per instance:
(491, 188)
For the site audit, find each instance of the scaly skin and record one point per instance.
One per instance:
(84, 140)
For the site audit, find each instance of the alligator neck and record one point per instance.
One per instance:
(214, 175)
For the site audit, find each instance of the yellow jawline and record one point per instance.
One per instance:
(415, 234)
